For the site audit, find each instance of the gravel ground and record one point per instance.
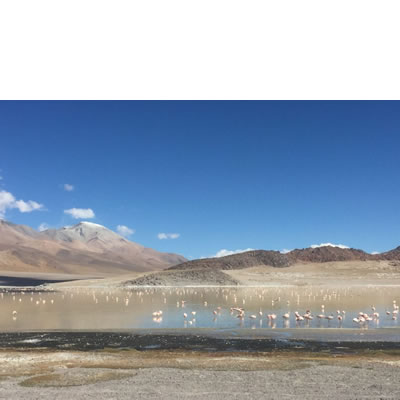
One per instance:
(197, 375)
(378, 381)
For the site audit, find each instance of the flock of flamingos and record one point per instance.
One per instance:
(239, 312)
(363, 319)
(244, 313)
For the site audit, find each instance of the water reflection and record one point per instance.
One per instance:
(267, 308)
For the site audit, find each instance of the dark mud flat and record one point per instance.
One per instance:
(312, 340)
(16, 282)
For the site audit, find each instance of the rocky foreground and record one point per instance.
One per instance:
(196, 375)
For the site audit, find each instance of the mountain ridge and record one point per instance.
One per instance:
(83, 248)
(86, 248)
(272, 258)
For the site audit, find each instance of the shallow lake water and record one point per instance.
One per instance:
(98, 309)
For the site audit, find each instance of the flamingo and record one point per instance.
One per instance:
(286, 315)
(159, 313)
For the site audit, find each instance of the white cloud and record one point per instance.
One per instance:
(78, 213)
(124, 230)
(168, 236)
(27, 206)
(285, 251)
(8, 201)
(43, 226)
(225, 252)
(375, 252)
(342, 246)
(68, 187)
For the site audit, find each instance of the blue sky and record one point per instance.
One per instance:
(223, 175)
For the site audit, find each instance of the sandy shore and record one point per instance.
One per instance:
(352, 273)
(196, 375)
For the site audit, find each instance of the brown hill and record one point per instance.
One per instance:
(389, 255)
(238, 261)
(270, 258)
(85, 248)
(327, 254)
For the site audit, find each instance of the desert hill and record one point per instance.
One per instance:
(390, 255)
(256, 258)
(85, 248)
(238, 261)
(310, 266)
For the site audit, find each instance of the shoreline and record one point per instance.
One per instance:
(59, 288)
(333, 340)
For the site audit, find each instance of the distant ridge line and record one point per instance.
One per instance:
(277, 259)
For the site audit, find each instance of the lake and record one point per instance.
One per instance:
(98, 309)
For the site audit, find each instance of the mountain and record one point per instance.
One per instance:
(327, 254)
(11, 233)
(256, 258)
(238, 261)
(390, 255)
(85, 248)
